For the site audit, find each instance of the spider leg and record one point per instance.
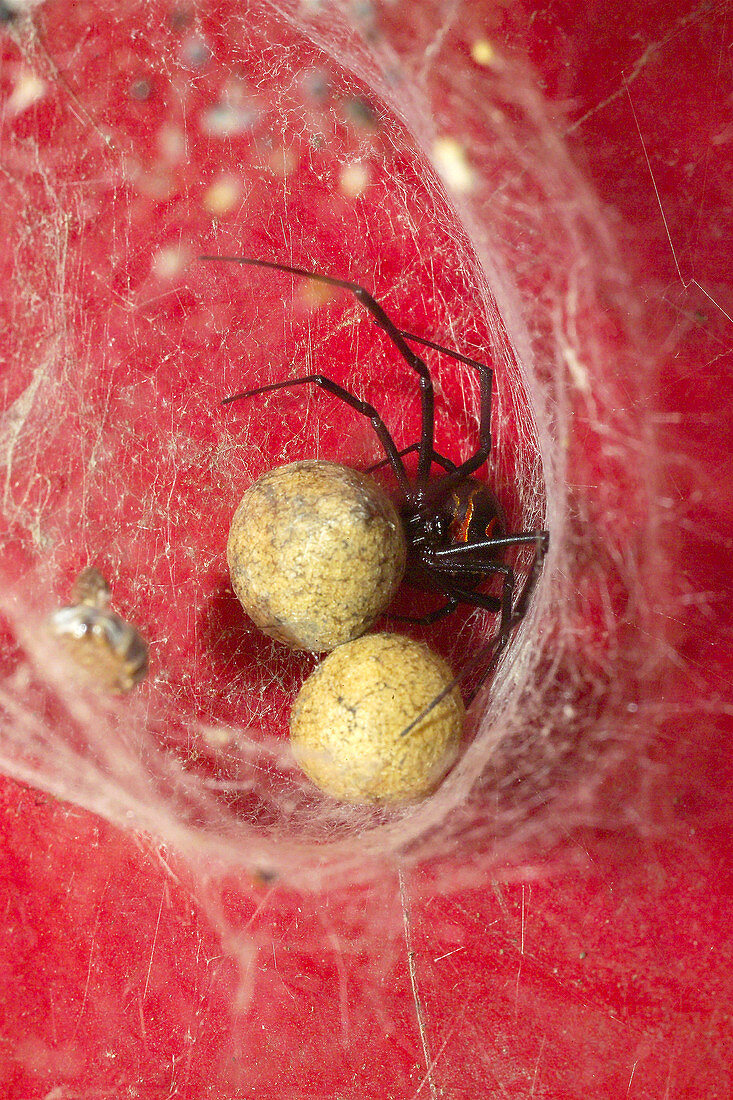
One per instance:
(487, 654)
(459, 559)
(492, 650)
(510, 617)
(457, 355)
(438, 459)
(431, 617)
(455, 595)
(486, 375)
(454, 553)
(363, 407)
(485, 600)
(530, 583)
(380, 318)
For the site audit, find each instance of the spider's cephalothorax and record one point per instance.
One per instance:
(454, 526)
(469, 514)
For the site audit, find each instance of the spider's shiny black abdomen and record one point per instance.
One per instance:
(470, 513)
(475, 513)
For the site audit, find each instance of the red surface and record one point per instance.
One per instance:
(126, 970)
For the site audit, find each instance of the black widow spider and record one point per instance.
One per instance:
(454, 525)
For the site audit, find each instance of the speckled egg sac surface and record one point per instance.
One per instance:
(316, 553)
(349, 718)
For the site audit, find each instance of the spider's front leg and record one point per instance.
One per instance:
(383, 321)
(439, 460)
(362, 407)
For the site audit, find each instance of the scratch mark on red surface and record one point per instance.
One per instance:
(89, 966)
(521, 952)
(33, 47)
(686, 283)
(495, 1088)
(260, 906)
(155, 940)
(516, 988)
(633, 1071)
(650, 51)
(639, 66)
(668, 1084)
(54, 1033)
(419, 1010)
(158, 853)
(537, 1065)
(499, 895)
(282, 982)
(448, 953)
(141, 1014)
(428, 1074)
(343, 985)
(710, 145)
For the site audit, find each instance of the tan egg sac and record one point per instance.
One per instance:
(349, 718)
(316, 553)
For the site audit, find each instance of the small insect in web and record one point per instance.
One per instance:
(453, 525)
(108, 651)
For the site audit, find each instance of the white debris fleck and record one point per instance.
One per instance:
(483, 53)
(170, 261)
(223, 195)
(452, 163)
(225, 120)
(354, 180)
(29, 89)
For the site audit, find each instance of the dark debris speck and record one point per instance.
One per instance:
(141, 89)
